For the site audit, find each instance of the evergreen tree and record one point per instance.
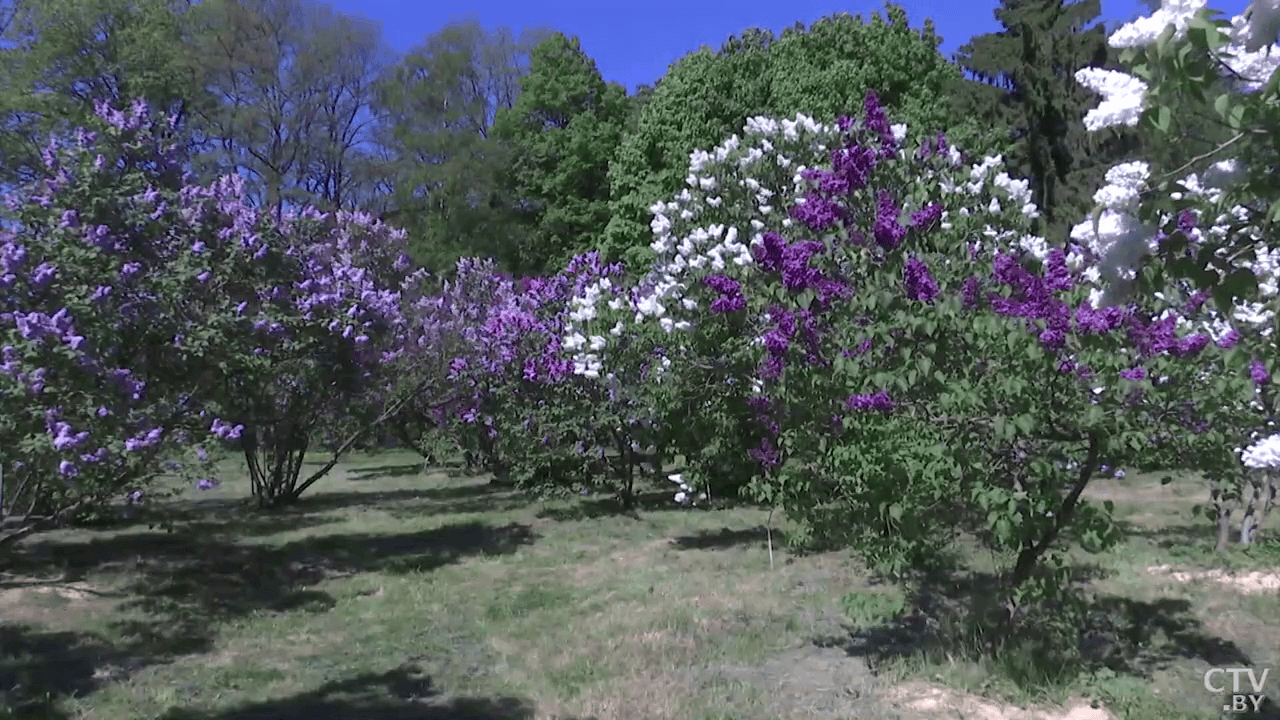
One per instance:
(1029, 69)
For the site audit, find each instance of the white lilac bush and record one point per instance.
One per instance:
(1209, 227)
(863, 332)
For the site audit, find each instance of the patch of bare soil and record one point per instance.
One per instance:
(1251, 583)
(816, 683)
(933, 701)
(31, 600)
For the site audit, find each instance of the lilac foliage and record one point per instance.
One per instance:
(134, 299)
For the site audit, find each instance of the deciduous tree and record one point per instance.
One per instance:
(563, 130)
(821, 71)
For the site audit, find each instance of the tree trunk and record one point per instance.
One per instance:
(1224, 529)
(274, 460)
(1030, 554)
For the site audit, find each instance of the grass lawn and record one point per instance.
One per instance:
(391, 593)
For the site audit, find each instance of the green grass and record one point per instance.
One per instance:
(389, 593)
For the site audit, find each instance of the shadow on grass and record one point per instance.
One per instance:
(214, 577)
(604, 505)
(386, 471)
(1196, 535)
(471, 497)
(955, 615)
(38, 667)
(239, 516)
(186, 584)
(725, 538)
(1195, 543)
(217, 524)
(404, 693)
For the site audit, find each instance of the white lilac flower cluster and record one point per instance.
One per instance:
(745, 186)
(685, 495)
(758, 168)
(586, 349)
(766, 153)
(1115, 236)
(1016, 192)
(1264, 453)
(1119, 239)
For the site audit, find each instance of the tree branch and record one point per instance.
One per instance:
(360, 433)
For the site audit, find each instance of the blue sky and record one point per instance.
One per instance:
(633, 43)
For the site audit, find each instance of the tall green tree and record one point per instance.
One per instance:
(58, 56)
(450, 180)
(1028, 70)
(637, 102)
(563, 130)
(824, 70)
(293, 80)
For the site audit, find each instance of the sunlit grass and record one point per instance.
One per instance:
(390, 592)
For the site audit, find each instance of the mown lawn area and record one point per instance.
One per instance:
(394, 593)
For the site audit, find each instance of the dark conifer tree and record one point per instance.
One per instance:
(1028, 70)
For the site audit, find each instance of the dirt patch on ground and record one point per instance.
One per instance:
(1251, 583)
(816, 683)
(933, 701)
(33, 601)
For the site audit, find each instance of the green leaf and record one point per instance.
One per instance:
(1000, 424)
(1273, 213)
(1222, 104)
(1235, 118)
(806, 298)
(1163, 119)
(1199, 39)
(1204, 33)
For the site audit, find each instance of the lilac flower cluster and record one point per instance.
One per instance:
(124, 314)
(731, 299)
(1040, 300)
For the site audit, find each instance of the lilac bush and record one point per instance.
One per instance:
(1201, 230)
(148, 318)
(324, 320)
(119, 315)
(914, 363)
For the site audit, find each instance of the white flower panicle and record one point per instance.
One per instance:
(1264, 453)
(685, 495)
(1251, 55)
(1116, 237)
(1123, 98)
(1146, 30)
